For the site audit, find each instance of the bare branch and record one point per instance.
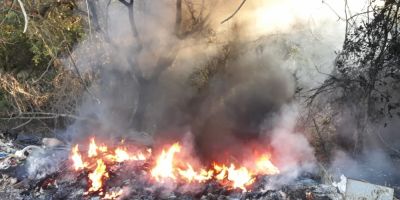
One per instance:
(234, 13)
(23, 124)
(8, 11)
(42, 115)
(178, 17)
(80, 77)
(88, 18)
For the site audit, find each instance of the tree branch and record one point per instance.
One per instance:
(234, 13)
(80, 77)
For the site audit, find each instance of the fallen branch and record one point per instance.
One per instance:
(22, 125)
(43, 115)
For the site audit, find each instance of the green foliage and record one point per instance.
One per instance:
(52, 27)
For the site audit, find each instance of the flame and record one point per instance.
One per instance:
(191, 175)
(221, 170)
(103, 148)
(97, 176)
(265, 166)
(171, 164)
(138, 157)
(164, 166)
(92, 152)
(240, 178)
(121, 155)
(77, 159)
(113, 195)
(237, 178)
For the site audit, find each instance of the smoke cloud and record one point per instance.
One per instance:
(231, 85)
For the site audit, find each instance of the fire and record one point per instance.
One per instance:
(113, 195)
(171, 164)
(164, 166)
(121, 155)
(92, 152)
(191, 175)
(167, 167)
(240, 178)
(237, 178)
(77, 159)
(265, 166)
(97, 176)
(139, 157)
(96, 161)
(221, 170)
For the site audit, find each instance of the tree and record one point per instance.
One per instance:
(366, 76)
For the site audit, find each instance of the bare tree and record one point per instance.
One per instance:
(367, 73)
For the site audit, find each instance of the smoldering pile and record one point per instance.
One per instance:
(132, 179)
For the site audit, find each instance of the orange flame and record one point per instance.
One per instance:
(138, 157)
(121, 155)
(221, 172)
(191, 175)
(265, 166)
(113, 195)
(164, 166)
(237, 178)
(170, 164)
(77, 159)
(240, 177)
(97, 176)
(92, 152)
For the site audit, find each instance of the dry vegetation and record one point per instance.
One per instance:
(36, 92)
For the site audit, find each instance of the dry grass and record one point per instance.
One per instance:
(48, 103)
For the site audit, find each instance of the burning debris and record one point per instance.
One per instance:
(123, 170)
(167, 167)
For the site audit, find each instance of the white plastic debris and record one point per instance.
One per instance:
(52, 142)
(356, 190)
(341, 185)
(29, 149)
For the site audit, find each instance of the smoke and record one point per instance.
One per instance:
(231, 85)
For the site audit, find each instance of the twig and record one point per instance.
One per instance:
(320, 136)
(25, 15)
(178, 17)
(333, 10)
(43, 115)
(132, 22)
(234, 13)
(386, 144)
(88, 16)
(347, 22)
(80, 77)
(23, 124)
(47, 69)
(8, 11)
